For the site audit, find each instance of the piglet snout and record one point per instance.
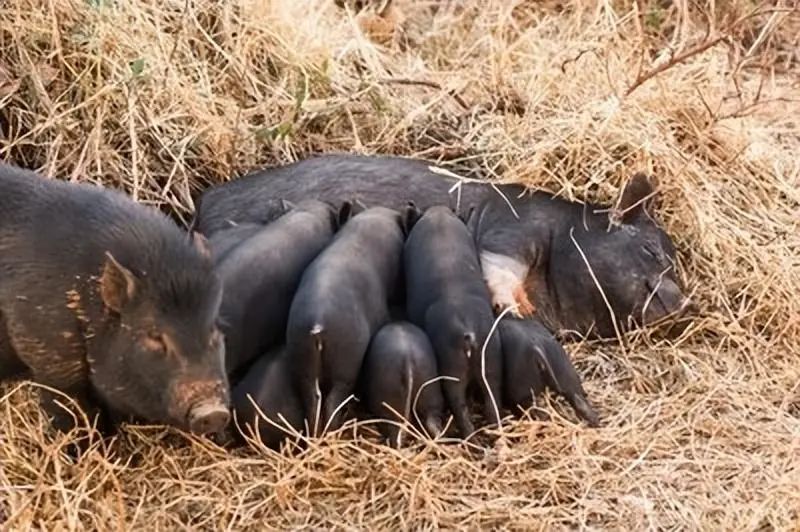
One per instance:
(208, 417)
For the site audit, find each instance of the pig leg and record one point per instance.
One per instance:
(489, 372)
(312, 403)
(491, 400)
(392, 434)
(334, 409)
(505, 278)
(10, 364)
(455, 394)
(57, 358)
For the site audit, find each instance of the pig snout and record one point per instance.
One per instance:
(666, 300)
(208, 417)
(201, 406)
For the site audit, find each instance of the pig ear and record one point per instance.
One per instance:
(544, 365)
(286, 206)
(348, 209)
(117, 284)
(410, 215)
(467, 216)
(344, 214)
(634, 196)
(200, 243)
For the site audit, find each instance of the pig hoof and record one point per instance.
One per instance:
(208, 418)
(585, 411)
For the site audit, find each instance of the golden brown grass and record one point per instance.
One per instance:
(164, 97)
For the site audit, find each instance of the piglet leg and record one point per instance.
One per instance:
(335, 407)
(456, 396)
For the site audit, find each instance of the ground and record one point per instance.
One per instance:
(163, 98)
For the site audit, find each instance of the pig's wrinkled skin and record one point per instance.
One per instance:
(534, 360)
(529, 262)
(399, 361)
(268, 381)
(446, 296)
(113, 305)
(341, 302)
(260, 276)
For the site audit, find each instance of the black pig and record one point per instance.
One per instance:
(525, 240)
(113, 305)
(261, 274)
(341, 302)
(533, 360)
(268, 381)
(399, 361)
(446, 296)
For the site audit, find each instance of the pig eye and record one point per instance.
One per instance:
(155, 342)
(651, 252)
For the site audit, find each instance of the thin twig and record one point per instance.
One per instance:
(430, 84)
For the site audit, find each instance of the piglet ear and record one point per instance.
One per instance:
(344, 214)
(286, 206)
(636, 192)
(118, 285)
(468, 216)
(200, 243)
(348, 209)
(410, 215)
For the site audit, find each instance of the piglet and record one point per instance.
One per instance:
(267, 387)
(341, 302)
(261, 274)
(448, 298)
(400, 360)
(533, 361)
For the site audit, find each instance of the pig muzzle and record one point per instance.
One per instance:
(209, 417)
(669, 310)
(202, 405)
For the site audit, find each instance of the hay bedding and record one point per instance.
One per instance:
(163, 98)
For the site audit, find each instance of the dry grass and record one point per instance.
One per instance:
(164, 97)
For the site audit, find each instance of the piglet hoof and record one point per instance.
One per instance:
(433, 426)
(209, 417)
(585, 411)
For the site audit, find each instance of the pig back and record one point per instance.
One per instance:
(54, 236)
(383, 181)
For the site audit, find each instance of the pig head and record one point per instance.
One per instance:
(582, 269)
(160, 355)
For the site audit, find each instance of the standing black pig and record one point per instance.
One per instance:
(341, 302)
(261, 274)
(533, 360)
(446, 296)
(268, 382)
(399, 361)
(113, 305)
(532, 245)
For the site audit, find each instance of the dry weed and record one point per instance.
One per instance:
(162, 98)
